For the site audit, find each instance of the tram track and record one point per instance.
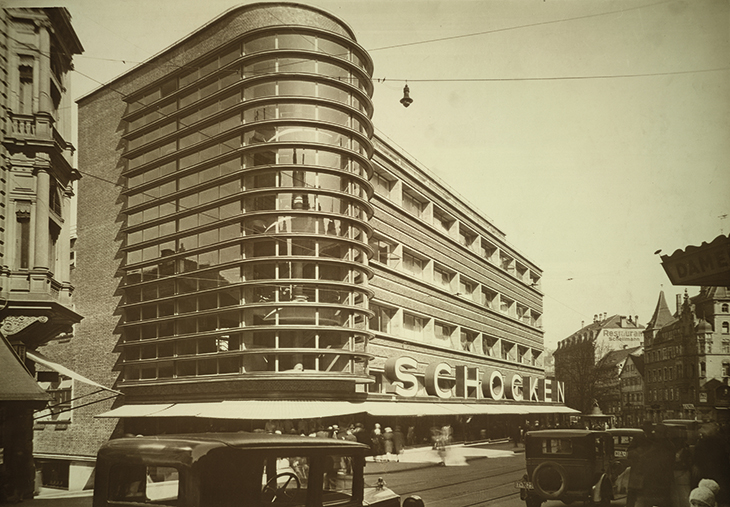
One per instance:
(504, 471)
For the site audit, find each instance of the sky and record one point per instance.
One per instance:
(593, 133)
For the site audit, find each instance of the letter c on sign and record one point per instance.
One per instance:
(433, 373)
(514, 387)
(399, 369)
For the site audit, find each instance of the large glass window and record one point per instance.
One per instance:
(413, 265)
(413, 326)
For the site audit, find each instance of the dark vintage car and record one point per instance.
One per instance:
(568, 465)
(236, 469)
(681, 431)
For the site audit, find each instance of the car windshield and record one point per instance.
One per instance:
(285, 479)
(231, 475)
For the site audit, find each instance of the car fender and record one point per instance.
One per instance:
(598, 488)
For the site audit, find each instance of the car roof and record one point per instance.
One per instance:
(564, 433)
(681, 422)
(625, 431)
(188, 448)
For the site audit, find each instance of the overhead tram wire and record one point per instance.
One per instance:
(487, 32)
(519, 27)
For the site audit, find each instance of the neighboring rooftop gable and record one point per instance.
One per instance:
(615, 357)
(638, 362)
(662, 315)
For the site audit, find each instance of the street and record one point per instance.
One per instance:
(475, 475)
(487, 479)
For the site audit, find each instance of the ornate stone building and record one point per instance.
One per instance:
(687, 358)
(36, 176)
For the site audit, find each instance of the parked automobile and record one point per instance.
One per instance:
(568, 465)
(237, 469)
(683, 430)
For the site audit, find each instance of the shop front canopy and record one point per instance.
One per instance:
(17, 383)
(305, 409)
(39, 358)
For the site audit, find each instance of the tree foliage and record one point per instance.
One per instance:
(586, 378)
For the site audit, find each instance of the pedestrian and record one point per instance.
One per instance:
(682, 484)
(388, 443)
(637, 457)
(376, 442)
(360, 434)
(658, 471)
(411, 436)
(398, 442)
(704, 494)
(712, 459)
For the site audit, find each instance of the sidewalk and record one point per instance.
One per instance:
(454, 455)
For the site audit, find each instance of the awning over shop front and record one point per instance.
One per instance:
(304, 409)
(136, 410)
(63, 370)
(17, 383)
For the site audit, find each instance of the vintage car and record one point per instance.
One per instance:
(568, 465)
(682, 431)
(237, 469)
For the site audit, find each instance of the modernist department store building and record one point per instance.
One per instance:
(249, 251)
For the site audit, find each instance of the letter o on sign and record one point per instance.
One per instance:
(496, 385)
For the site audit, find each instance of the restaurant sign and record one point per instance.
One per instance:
(443, 381)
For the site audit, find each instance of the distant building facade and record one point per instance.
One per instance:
(687, 358)
(583, 363)
(36, 162)
(631, 380)
(610, 386)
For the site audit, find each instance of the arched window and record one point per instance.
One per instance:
(725, 328)
(724, 308)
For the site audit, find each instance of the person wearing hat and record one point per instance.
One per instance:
(704, 494)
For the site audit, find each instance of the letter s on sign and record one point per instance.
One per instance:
(398, 369)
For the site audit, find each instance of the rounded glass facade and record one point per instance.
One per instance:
(247, 213)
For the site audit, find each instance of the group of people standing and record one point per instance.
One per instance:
(386, 444)
(664, 473)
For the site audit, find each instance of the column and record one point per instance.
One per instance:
(44, 78)
(43, 187)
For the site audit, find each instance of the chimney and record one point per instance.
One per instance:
(636, 320)
(595, 318)
(582, 324)
(679, 302)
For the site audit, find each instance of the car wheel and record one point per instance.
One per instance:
(549, 479)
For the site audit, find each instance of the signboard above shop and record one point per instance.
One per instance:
(707, 264)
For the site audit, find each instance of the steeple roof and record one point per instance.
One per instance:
(662, 314)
